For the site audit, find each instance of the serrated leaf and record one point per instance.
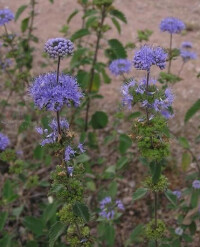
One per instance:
(3, 218)
(49, 212)
(99, 120)
(192, 111)
(125, 143)
(118, 14)
(107, 233)
(135, 234)
(117, 48)
(24, 24)
(75, 12)
(186, 161)
(20, 11)
(79, 34)
(116, 24)
(34, 224)
(54, 233)
(139, 193)
(81, 210)
(171, 197)
(122, 162)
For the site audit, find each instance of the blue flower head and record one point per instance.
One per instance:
(6, 15)
(196, 184)
(49, 94)
(172, 25)
(4, 142)
(186, 44)
(148, 56)
(187, 55)
(68, 153)
(59, 47)
(120, 66)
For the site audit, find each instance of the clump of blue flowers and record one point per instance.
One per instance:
(196, 184)
(4, 142)
(120, 66)
(172, 25)
(187, 55)
(109, 207)
(59, 47)
(52, 95)
(6, 15)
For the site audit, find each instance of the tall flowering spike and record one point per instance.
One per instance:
(172, 25)
(59, 47)
(4, 142)
(186, 45)
(49, 94)
(120, 66)
(148, 56)
(187, 55)
(6, 15)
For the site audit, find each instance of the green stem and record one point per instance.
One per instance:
(93, 65)
(181, 68)
(170, 54)
(156, 213)
(32, 15)
(147, 88)
(58, 113)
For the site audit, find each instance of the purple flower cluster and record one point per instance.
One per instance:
(6, 15)
(187, 55)
(172, 25)
(58, 47)
(4, 142)
(120, 66)
(70, 170)
(186, 45)
(148, 56)
(5, 64)
(179, 231)
(49, 94)
(196, 184)
(177, 193)
(52, 135)
(69, 152)
(108, 207)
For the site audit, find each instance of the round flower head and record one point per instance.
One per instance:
(6, 15)
(186, 44)
(120, 66)
(177, 193)
(49, 94)
(196, 184)
(188, 55)
(4, 142)
(171, 25)
(179, 231)
(59, 47)
(148, 56)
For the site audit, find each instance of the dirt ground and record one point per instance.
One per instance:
(143, 14)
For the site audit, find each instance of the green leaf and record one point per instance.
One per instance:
(165, 78)
(38, 152)
(54, 233)
(96, 83)
(6, 241)
(35, 225)
(186, 161)
(192, 111)
(135, 234)
(117, 25)
(3, 218)
(107, 233)
(49, 212)
(144, 34)
(139, 193)
(195, 198)
(171, 197)
(25, 124)
(83, 78)
(106, 78)
(75, 12)
(24, 24)
(20, 11)
(82, 158)
(77, 57)
(117, 48)
(184, 142)
(118, 14)
(125, 143)
(79, 34)
(81, 210)
(8, 193)
(122, 162)
(112, 189)
(99, 120)
(155, 171)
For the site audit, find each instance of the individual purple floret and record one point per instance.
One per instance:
(148, 56)
(196, 184)
(108, 207)
(127, 98)
(68, 153)
(70, 170)
(59, 47)
(186, 44)
(187, 55)
(177, 193)
(81, 148)
(52, 135)
(49, 94)
(6, 15)
(179, 231)
(120, 66)
(4, 142)
(172, 25)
